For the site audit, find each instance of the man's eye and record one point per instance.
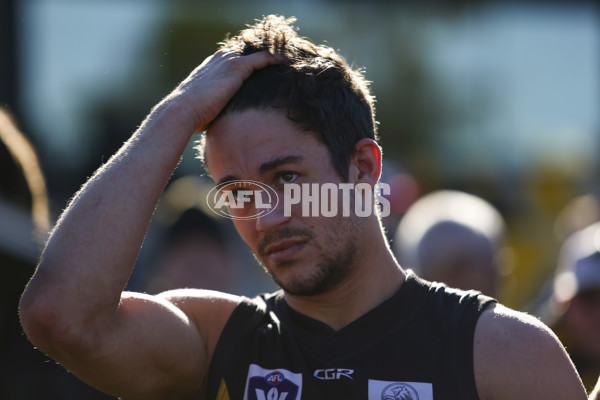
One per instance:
(287, 177)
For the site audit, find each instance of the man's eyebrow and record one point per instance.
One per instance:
(226, 179)
(265, 167)
(276, 162)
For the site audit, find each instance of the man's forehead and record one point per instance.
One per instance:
(254, 136)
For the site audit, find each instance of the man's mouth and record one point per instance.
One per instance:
(284, 249)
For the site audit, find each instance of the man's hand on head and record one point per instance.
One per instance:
(210, 86)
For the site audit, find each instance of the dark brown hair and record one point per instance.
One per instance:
(316, 87)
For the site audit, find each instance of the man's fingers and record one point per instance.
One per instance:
(212, 84)
(258, 60)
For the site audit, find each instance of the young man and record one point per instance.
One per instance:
(349, 322)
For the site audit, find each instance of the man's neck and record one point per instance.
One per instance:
(374, 280)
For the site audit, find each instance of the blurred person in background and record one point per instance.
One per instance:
(192, 254)
(456, 238)
(192, 250)
(577, 214)
(25, 373)
(574, 309)
(404, 191)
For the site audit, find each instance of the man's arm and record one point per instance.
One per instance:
(595, 395)
(518, 357)
(74, 308)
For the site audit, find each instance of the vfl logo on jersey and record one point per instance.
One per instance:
(272, 384)
(389, 390)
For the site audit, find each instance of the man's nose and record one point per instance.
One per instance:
(270, 221)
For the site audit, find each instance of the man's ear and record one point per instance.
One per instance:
(365, 164)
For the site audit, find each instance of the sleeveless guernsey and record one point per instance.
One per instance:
(417, 345)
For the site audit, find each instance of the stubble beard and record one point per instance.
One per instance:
(333, 268)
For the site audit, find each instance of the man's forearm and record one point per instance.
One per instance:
(92, 250)
(595, 395)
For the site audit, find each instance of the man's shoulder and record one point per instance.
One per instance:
(208, 310)
(497, 319)
(502, 333)
(516, 354)
(208, 305)
(501, 328)
(200, 297)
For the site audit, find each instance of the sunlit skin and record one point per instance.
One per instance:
(305, 255)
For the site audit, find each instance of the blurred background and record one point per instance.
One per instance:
(498, 99)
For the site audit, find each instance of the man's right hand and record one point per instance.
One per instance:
(208, 89)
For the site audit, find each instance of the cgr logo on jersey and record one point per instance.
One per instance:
(333, 374)
(272, 384)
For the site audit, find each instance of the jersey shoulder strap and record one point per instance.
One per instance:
(471, 306)
(246, 317)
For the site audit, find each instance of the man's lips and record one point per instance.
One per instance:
(284, 249)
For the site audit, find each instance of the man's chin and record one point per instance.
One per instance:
(272, 266)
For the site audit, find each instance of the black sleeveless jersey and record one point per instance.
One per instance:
(417, 345)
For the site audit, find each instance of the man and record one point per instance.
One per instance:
(573, 310)
(350, 323)
(453, 237)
